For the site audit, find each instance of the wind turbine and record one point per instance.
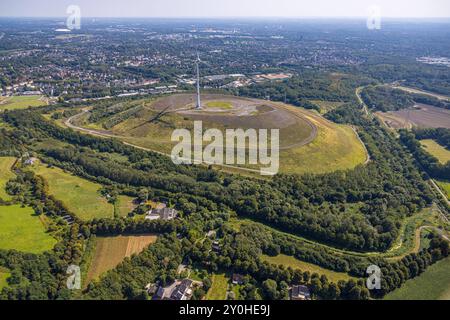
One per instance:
(199, 101)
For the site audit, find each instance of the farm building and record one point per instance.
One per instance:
(164, 214)
(300, 293)
(30, 161)
(159, 295)
(179, 290)
(182, 291)
(237, 278)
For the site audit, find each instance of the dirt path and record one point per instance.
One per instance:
(441, 193)
(419, 91)
(68, 123)
(361, 101)
(365, 148)
(105, 134)
(434, 185)
(418, 235)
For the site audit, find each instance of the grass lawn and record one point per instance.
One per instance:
(326, 106)
(433, 284)
(5, 175)
(124, 205)
(445, 187)
(218, 290)
(21, 102)
(219, 105)
(110, 252)
(435, 149)
(294, 263)
(235, 288)
(336, 147)
(196, 273)
(22, 230)
(79, 195)
(4, 275)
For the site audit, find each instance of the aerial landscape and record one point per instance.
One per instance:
(227, 158)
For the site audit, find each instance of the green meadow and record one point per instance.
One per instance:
(81, 196)
(21, 102)
(445, 187)
(219, 105)
(4, 275)
(294, 263)
(433, 284)
(434, 148)
(22, 230)
(5, 175)
(218, 290)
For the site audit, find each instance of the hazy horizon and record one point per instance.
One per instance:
(227, 9)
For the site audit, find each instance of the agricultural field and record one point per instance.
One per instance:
(294, 263)
(110, 252)
(421, 115)
(22, 230)
(218, 290)
(436, 150)
(21, 102)
(5, 175)
(308, 142)
(81, 196)
(433, 284)
(393, 121)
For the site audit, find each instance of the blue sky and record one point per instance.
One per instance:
(226, 8)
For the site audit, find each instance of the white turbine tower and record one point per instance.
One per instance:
(199, 101)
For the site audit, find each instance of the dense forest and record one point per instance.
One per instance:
(342, 221)
(383, 98)
(315, 206)
(441, 135)
(240, 252)
(429, 163)
(299, 91)
(319, 207)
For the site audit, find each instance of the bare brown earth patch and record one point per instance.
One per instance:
(421, 115)
(110, 252)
